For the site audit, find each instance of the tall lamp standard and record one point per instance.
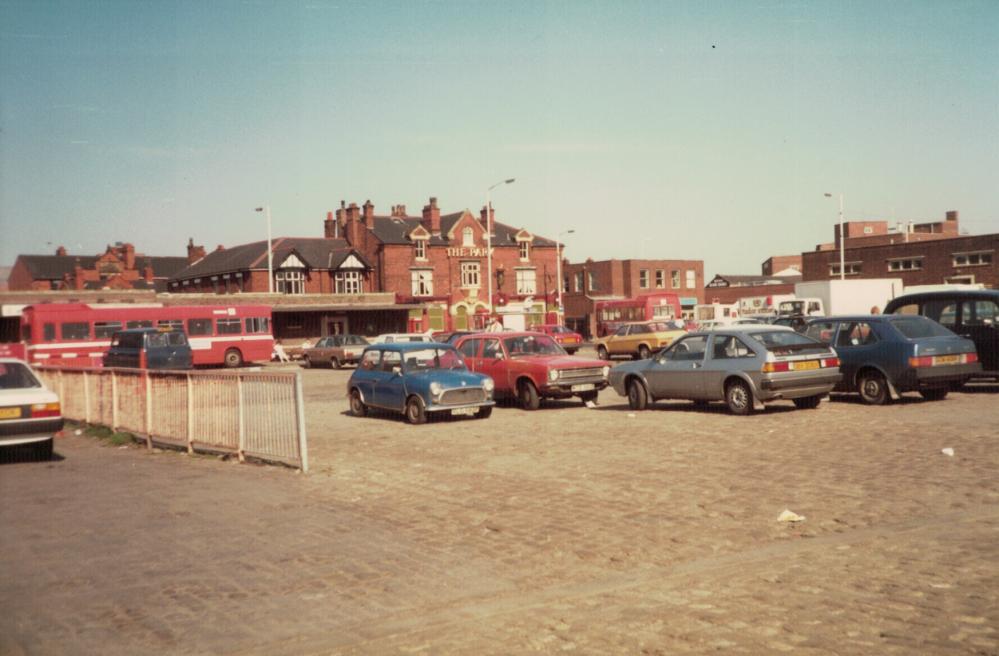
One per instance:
(489, 240)
(270, 253)
(558, 268)
(842, 245)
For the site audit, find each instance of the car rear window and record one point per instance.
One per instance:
(916, 327)
(785, 342)
(14, 375)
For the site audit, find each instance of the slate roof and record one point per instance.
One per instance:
(315, 252)
(54, 267)
(754, 281)
(395, 230)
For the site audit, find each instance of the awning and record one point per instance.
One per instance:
(688, 300)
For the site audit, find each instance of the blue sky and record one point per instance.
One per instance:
(705, 130)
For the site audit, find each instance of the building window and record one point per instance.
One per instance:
(526, 282)
(691, 279)
(420, 249)
(423, 282)
(467, 238)
(906, 264)
(579, 281)
(289, 282)
(981, 258)
(643, 278)
(525, 250)
(565, 283)
(675, 279)
(347, 282)
(851, 268)
(591, 281)
(660, 279)
(469, 272)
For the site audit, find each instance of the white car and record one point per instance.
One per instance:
(395, 338)
(29, 412)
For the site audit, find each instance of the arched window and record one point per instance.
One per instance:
(467, 239)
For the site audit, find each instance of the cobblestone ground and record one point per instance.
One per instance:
(563, 530)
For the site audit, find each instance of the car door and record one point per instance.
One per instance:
(367, 374)
(469, 350)
(617, 344)
(676, 373)
(978, 323)
(390, 384)
(727, 354)
(495, 363)
(856, 345)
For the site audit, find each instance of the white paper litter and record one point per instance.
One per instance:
(788, 516)
(947, 452)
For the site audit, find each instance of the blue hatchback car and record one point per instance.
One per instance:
(418, 378)
(882, 356)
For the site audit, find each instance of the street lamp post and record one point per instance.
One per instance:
(842, 245)
(489, 241)
(270, 253)
(558, 267)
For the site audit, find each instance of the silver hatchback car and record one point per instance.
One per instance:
(745, 367)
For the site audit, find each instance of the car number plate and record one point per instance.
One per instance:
(585, 387)
(570, 340)
(946, 359)
(808, 364)
(459, 412)
(10, 413)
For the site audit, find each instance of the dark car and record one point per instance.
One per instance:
(969, 313)
(796, 322)
(882, 356)
(335, 351)
(149, 348)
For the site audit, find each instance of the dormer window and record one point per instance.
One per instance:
(525, 250)
(467, 237)
(420, 249)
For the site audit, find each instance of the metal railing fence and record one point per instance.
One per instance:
(256, 414)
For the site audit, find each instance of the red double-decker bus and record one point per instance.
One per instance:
(78, 334)
(610, 314)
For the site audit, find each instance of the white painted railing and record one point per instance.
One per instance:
(256, 414)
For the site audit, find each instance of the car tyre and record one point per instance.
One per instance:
(644, 352)
(43, 450)
(739, 398)
(873, 388)
(934, 394)
(233, 358)
(357, 407)
(335, 363)
(586, 397)
(527, 393)
(638, 398)
(484, 412)
(306, 362)
(416, 412)
(602, 353)
(807, 402)
(571, 351)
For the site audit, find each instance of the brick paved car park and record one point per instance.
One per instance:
(562, 530)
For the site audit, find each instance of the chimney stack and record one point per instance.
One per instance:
(353, 224)
(432, 217)
(194, 253)
(369, 215)
(952, 215)
(329, 226)
(491, 223)
(128, 250)
(61, 250)
(147, 272)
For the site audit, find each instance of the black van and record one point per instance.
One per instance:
(149, 348)
(971, 313)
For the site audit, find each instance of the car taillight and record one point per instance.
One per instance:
(971, 358)
(773, 367)
(830, 362)
(923, 361)
(45, 410)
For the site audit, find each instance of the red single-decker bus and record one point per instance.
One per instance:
(611, 314)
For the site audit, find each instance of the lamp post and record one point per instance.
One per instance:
(842, 245)
(266, 209)
(489, 241)
(558, 268)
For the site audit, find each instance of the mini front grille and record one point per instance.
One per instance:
(463, 395)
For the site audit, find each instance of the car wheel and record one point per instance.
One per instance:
(233, 358)
(416, 412)
(638, 398)
(571, 351)
(873, 388)
(602, 353)
(357, 407)
(586, 397)
(527, 393)
(484, 412)
(644, 352)
(43, 450)
(306, 362)
(935, 394)
(335, 363)
(739, 398)
(808, 402)
(958, 385)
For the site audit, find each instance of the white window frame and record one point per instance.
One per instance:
(972, 259)
(578, 280)
(660, 278)
(906, 264)
(525, 250)
(289, 281)
(591, 280)
(852, 268)
(674, 278)
(348, 282)
(422, 282)
(643, 278)
(420, 249)
(527, 282)
(467, 237)
(471, 274)
(691, 279)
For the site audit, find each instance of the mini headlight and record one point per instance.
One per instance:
(435, 388)
(553, 374)
(488, 385)
(606, 372)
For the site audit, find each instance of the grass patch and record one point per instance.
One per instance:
(105, 434)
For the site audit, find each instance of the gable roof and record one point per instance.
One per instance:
(396, 229)
(314, 252)
(55, 267)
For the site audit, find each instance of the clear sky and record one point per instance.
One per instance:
(705, 130)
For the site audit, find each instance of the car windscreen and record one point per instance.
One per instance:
(915, 327)
(14, 375)
(432, 358)
(355, 340)
(525, 345)
(786, 342)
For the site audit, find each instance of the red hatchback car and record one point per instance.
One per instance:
(567, 339)
(530, 366)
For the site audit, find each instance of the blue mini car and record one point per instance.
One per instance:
(418, 378)
(882, 356)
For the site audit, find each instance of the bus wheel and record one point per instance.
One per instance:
(233, 358)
